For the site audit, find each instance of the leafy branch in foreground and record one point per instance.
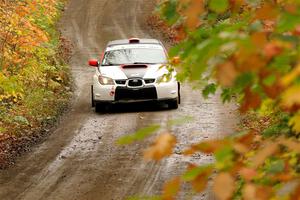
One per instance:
(251, 50)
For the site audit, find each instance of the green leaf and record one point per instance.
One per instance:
(193, 173)
(209, 89)
(244, 80)
(224, 158)
(169, 11)
(139, 135)
(270, 80)
(226, 95)
(218, 6)
(276, 166)
(287, 22)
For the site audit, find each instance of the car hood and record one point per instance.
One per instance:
(130, 71)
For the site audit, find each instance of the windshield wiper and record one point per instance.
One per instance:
(109, 64)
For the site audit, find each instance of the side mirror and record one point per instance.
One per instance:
(94, 63)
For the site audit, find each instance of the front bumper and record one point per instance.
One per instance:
(122, 94)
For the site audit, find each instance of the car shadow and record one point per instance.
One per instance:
(135, 107)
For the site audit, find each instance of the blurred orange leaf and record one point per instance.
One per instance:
(224, 186)
(248, 173)
(272, 49)
(259, 39)
(240, 148)
(296, 194)
(251, 100)
(175, 60)
(269, 149)
(171, 188)
(206, 147)
(249, 192)
(192, 13)
(297, 31)
(161, 148)
(246, 139)
(267, 11)
(252, 192)
(226, 73)
(198, 176)
(293, 145)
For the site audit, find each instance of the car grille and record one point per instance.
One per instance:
(145, 93)
(135, 82)
(147, 81)
(121, 82)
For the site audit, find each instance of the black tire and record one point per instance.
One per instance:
(100, 107)
(92, 96)
(179, 95)
(173, 104)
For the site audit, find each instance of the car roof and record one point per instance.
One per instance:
(127, 41)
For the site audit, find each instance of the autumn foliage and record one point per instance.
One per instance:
(251, 51)
(32, 74)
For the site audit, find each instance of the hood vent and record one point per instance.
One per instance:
(133, 66)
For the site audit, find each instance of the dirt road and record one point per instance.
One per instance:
(80, 160)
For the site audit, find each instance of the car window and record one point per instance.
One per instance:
(134, 56)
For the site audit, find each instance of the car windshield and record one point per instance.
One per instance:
(134, 56)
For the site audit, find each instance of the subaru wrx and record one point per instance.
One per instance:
(134, 70)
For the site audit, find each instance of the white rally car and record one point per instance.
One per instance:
(132, 71)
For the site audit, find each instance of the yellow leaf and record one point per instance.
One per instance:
(291, 97)
(224, 186)
(161, 148)
(295, 123)
(290, 77)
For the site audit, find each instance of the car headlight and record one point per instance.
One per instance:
(164, 78)
(103, 80)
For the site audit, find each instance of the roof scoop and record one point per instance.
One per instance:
(134, 40)
(132, 66)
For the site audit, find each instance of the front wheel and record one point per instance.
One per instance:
(173, 104)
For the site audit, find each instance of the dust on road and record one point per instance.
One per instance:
(80, 159)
